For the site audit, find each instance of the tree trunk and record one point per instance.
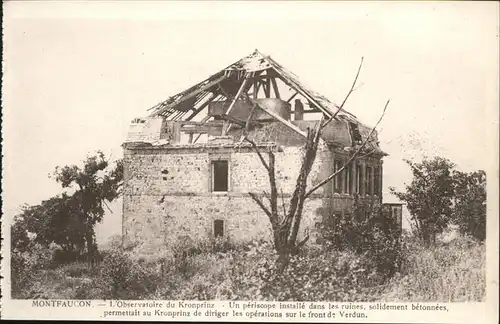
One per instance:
(286, 227)
(282, 261)
(90, 246)
(89, 238)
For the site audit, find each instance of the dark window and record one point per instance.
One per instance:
(376, 185)
(347, 182)
(356, 136)
(220, 175)
(218, 228)
(358, 178)
(338, 180)
(368, 182)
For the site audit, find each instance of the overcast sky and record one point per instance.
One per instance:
(76, 74)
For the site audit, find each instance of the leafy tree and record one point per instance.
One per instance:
(429, 197)
(94, 184)
(69, 219)
(52, 221)
(19, 235)
(469, 211)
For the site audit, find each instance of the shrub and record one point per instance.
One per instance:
(469, 210)
(453, 271)
(20, 274)
(185, 251)
(371, 233)
(25, 265)
(315, 274)
(77, 270)
(248, 273)
(119, 277)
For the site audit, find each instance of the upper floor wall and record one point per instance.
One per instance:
(229, 170)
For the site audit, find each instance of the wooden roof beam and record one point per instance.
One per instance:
(190, 95)
(240, 91)
(275, 87)
(279, 118)
(202, 107)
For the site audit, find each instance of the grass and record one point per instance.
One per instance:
(447, 272)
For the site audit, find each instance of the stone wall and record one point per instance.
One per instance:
(167, 194)
(168, 197)
(165, 171)
(153, 224)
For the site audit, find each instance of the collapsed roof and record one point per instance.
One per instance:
(223, 83)
(225, 101)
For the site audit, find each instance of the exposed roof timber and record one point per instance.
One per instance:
(312, 96)
(249, 64)
(242, 89)
(200, 109)
(248, 67)
(292, 96)
(205, 119)
(210, 82)
(279, 118)
(267, 88)
(275, 87)
(256, 88)
(230, 120)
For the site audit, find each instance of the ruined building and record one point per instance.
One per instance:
(188, 174)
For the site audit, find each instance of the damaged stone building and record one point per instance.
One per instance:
(188, 174)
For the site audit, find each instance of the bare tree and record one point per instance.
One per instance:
(285, 225)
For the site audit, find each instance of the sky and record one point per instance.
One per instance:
(76, 74)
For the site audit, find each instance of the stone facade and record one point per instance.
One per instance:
(168, 194)
(188, 174)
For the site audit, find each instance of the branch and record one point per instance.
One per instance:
(283, 202)
(106, 204)
(297, 202)
(273, 198)
(256, 149)
(260, 203)
(368, 153)
(353, 84)
(287, 221)
(316, 187)
(272, 183)
(301, 243)
(247, 124)
(346, 97)
(254, 146)
(266, 195)
(357, 87)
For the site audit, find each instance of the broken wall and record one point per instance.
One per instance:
(145, 130)
(167, 195)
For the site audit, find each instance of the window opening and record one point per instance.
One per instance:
(218, 228)
(356, 135)
(358, 178)
(220, 175)
(337, 182)
(368, 182)
(376, 185)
